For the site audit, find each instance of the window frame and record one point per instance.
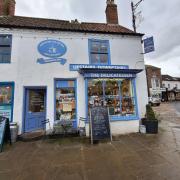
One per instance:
(6, 45)
(90, 41)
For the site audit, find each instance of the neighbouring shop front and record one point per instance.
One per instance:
(7, 99)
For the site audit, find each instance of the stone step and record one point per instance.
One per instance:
(32, 136)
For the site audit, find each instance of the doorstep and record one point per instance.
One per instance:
(32, 136)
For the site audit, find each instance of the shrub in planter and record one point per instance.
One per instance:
(151, 122)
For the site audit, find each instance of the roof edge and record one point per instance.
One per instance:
(56, 29)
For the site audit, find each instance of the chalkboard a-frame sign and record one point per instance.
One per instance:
(5, 134)
(100, 124)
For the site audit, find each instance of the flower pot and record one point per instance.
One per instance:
(151, 126)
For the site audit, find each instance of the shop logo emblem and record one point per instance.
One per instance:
(53, 50)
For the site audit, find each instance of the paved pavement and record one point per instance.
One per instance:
(177, 107)
(129, 157)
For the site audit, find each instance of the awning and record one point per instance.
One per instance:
(109, 73)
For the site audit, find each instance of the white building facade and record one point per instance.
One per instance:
(60, 74)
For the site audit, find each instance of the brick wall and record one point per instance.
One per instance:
(7, 7)
(1, 7)
(151, 72)
(11, 8)
(111, 13)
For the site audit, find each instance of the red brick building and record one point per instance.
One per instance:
(154, 81)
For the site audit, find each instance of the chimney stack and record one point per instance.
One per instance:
(111, 12)
(7, 7)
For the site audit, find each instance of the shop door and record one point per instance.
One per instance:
(35, 109)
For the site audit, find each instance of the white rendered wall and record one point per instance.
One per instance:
(24, 71)
(172, 84)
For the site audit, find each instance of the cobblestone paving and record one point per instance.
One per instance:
(129, 157)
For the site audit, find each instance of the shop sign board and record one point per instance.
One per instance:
(77, 67)
(6, 111)
(100, 124)
(4, 131)
(53, 50)
(109, 75)
(148, 45)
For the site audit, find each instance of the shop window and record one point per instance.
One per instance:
(5, 48)
(99, 51)
(115, 94)
(66, 100)
(6, 99)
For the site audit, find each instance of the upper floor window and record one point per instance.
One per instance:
(155, 83)
(5, 48)
(169, 86)
(99, 51)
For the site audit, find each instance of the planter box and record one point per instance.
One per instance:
(151, 127)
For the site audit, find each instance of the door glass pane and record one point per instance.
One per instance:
(36, 101)
(66, 101)
(5, 94)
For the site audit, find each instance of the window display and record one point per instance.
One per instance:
(5, 94)
(116, 94)
(65, 100)
(6, 100)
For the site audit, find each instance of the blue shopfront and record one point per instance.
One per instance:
(111, 86)
(107, 85)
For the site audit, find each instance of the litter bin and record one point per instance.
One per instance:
(14, 132)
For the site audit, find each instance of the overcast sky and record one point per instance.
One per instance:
(161, 20)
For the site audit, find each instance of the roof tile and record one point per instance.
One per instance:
(62, 25)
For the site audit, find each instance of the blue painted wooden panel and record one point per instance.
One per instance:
(33, 120)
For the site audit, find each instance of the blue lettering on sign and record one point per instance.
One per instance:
(76, 67)
(52, 49)
(107, 75)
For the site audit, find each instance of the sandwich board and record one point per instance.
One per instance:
(5, 134)
(100, 124)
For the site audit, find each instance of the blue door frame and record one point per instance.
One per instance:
(35, 119)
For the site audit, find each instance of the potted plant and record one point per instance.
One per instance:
(150, 121)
